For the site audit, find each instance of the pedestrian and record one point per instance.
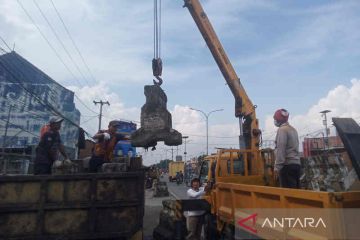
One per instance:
(104, 146)
(49, 147)
(287, 160)
(181, 176)
(195, 219)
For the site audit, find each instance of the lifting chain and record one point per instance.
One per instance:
(157, 62)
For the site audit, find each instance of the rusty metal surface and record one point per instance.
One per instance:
(81, 206)
(349, 132)
(155, 121)
(328, 172)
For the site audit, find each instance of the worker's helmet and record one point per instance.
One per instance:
(281, 116)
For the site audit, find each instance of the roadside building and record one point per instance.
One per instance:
(327, 165)
(316, 146)
(29, 98)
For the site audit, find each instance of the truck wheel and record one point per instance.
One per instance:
(228, 232)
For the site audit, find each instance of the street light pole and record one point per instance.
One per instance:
(185, 137)
(326, 143)
(172, 153)
(207, 115)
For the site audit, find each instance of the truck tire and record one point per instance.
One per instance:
(228, 232)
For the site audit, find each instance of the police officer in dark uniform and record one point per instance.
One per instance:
(49, 147)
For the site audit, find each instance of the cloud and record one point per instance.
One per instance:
(342, 101)
(89, 113)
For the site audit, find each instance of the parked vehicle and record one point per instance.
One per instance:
(175, 167)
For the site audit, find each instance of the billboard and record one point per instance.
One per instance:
(124, 147)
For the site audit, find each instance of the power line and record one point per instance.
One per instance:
(20, 70)
(121, 119)
(48, 42)
(80, 101)
(58, 38)
(89, 119)
(194, 135)
(2, 60)
(5, 43)
(84, 104)
(73, 42)
(16, 126)
(89, 116)
(32, 114)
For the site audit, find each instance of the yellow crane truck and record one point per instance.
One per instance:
(241, 182)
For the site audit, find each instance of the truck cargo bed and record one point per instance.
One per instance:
(79, 206)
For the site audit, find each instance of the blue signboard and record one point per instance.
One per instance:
(124, 147)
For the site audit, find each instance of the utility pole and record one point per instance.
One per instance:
(101, 105)
(326, 143)
(4, 139)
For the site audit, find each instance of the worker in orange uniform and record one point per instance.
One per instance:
(287, 159)
(104, 146)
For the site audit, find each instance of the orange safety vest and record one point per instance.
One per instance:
(44, 129)
(105, 148)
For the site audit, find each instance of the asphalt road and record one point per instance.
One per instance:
(177, 191)
(153, 206)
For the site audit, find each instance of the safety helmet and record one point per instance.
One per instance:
(281, 116)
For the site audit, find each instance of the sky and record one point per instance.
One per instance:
(303, 56)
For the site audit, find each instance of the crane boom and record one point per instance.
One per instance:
(244, 108)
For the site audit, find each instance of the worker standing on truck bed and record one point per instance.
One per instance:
(104, 147)
(49, 147)
(287, 159)
(195, 219)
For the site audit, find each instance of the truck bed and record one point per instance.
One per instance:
(78, 206)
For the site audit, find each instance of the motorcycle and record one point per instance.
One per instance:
(179, 180)
(149, 182)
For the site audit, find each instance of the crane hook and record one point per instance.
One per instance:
(159, 82)
(157, 70)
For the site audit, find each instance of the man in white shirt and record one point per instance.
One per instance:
(195, 219)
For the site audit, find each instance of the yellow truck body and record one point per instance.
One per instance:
(175, 167)
(236, 190)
